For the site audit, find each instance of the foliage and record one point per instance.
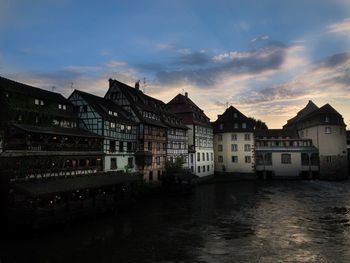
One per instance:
(258, 124)
(175, 172)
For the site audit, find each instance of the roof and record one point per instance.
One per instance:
(310, 111)
(61, 185)
(24, 89)
(232, 116)
(189, 112)
(103, 106)
(140, 101)
(57, 131)
(276, 133)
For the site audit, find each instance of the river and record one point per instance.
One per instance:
(290, 221)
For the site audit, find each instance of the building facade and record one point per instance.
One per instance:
(152, 132)
(200, 134)
(104, 118)
(327, 130)
(234, 143)
(41, 137)
(281, 154)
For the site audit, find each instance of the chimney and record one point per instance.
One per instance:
(110, 82)
(186, 94)
(137, 85)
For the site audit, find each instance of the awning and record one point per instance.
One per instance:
(57, 131)
(61, 185)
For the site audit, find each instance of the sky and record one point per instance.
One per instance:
(267, 58)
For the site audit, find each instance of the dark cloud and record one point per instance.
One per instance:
(250, 63)
(281, 92)
(195, 58)
(333, 61)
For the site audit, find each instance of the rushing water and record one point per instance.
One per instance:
(292, 221)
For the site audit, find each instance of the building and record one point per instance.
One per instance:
(177, 137)
(104, 118)
(152, 132)
(40, 135)
(200, 134)
(282, 154)
(234, 143)
(326, 128)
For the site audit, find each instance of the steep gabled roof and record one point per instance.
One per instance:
(185, 108)
(102, 106)
(24, 89)
(226, 122)
(311, 110)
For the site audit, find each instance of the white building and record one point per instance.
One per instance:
(200, 134)
(327, 130)
(234, 143)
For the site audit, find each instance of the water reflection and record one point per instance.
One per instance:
(239, 222)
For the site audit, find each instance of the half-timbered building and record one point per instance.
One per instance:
(152, 132)
(41, 137)
(200, 134)
(104, 118)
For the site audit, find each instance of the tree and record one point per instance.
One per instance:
(258, 124)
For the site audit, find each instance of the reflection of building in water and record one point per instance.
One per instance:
(326, 128)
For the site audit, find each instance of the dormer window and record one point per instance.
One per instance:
(221, 126)
(115, 114)
(244, 125)
(110, 112)
(39, 102)
(64, 107)
(235, 115)
(326, 119)
(112, 125)
(235, 125)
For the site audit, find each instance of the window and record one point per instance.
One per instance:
(304, 159)
(110, 112)
(150, 146)
(115, 114)
(327, 130)
(37, 102)
(203, 168)
(247, 137)
(150, 176)
(211, 156)
(113, 163)
(64, 107)
(85, 108)
(220, 137)
(248, 159)
(220, 148)
(41, 103)
(191, 158)
(235, 159)
(328, 159)
(198, 157)
(286, 158)
(234, 147)
(207, 156)
(235, 115)
(122, 128)
(235, 125)
(208, 168)
(326, 119)
(128, 129)
(244, 125)
(199, 169)
(36, 119)
(247, 147)
(159, 175)
(121, 146)
(158, 146)
(220, 159)
(221, 126)
(158, 160)
(112, 146)
(129, 146)
(203, 156)
(314, 159)
(112, 125)
(234, 137)
(60, 106)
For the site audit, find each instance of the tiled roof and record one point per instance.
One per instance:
(16, 87)
(276, 133)
(103, 106)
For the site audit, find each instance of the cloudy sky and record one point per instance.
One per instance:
(265, 57)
